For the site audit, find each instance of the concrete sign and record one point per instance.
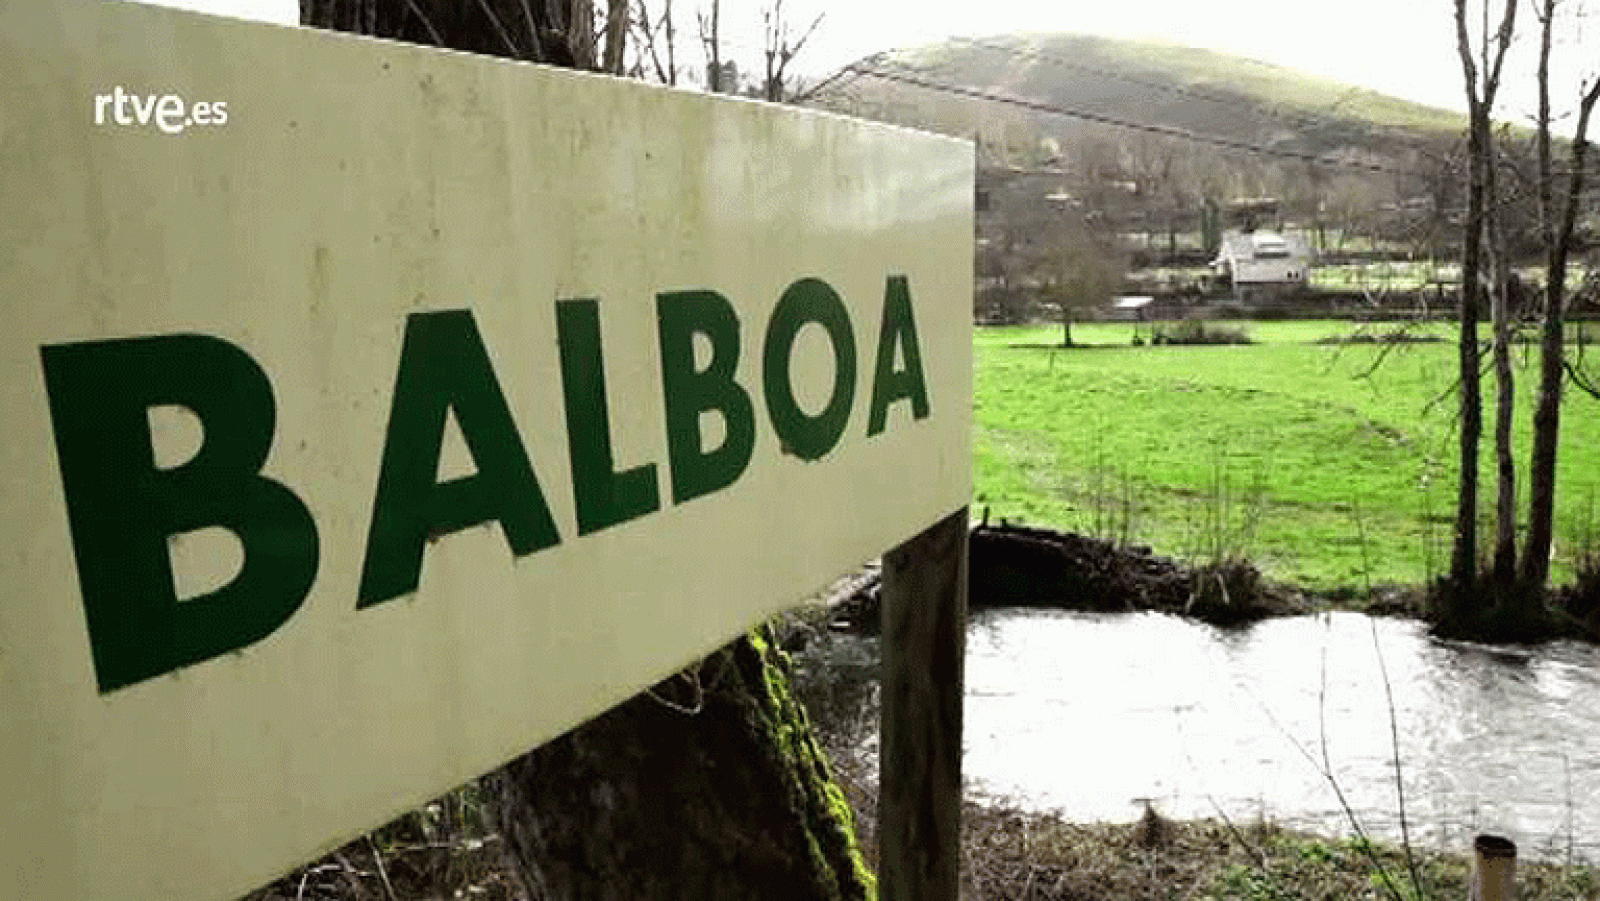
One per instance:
(373, 414)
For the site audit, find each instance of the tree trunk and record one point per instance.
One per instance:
(712, 41)
(715, 792)
(616, 35)
(1546, 432)
(1552, 350)
(1464, 554)
(1505, 536)
(707, 787)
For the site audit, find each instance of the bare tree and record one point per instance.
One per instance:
(1557, 226)
(557, 32)
(658, 32)
(779, 49)
(1482, 83)
(1084, 270)
(711, 43)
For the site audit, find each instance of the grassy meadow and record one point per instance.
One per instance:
(1326, 470)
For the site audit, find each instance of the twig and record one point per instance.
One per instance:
(1566, 768)
(1326, 770)
(533, 31)
(383, 874)
(1439, 398)
(692, 676)
(414, 9)
(1256, 853)
(501, 29)
(1394, 740)
(351, 874)
(1581, 380)
(1361, 537)
(1384, 349)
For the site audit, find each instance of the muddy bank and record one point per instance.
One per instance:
(1018, 566)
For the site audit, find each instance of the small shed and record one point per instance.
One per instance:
(1131, 308)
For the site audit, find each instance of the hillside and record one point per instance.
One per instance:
(1097, 156)
(1217, 96)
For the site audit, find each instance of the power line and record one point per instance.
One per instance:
(1299, 120)
(1103, 119)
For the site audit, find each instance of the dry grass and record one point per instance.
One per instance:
(447, 849)
(1009, 855)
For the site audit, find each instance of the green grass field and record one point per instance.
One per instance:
(1281, 451)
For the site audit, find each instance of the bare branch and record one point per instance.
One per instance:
(433, 33)
(500, 29)
(533, 32)
(1582, 380)
(647, 40)
(1469, 68)
(791, 52)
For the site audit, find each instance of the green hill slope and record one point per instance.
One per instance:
(1204, 92)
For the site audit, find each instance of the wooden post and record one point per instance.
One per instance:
(924, 604)
(1494, 869)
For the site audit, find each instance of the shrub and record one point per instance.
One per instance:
(1197, 331)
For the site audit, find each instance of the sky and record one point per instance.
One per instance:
(1400, 47)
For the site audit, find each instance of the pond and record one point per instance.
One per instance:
(1085, 713)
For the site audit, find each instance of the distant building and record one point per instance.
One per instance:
(1263, 264)
(1129, 308)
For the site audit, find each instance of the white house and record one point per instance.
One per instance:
(1263, 259)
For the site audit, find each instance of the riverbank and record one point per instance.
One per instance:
(449, 848)
(1015, 855)
(1011, 854)
(1007, 855)
(1036, 568)
(1019, 566)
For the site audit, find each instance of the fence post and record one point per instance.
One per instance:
(924, 609)
(1494, 869)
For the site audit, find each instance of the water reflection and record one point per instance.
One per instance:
(1085, 712)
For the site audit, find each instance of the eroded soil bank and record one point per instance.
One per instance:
(1022, 566)
(1019, 566)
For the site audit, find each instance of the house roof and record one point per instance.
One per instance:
(1238, 245)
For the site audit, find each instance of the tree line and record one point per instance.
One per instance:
(1509, 596)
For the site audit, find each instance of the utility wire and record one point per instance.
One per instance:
(1299, 120)
(1103, 119)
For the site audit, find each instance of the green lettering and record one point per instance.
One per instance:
(122, 508)
(603, 497)
(444, 366)
(688, 393)
(808, 300)
(890, 384)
